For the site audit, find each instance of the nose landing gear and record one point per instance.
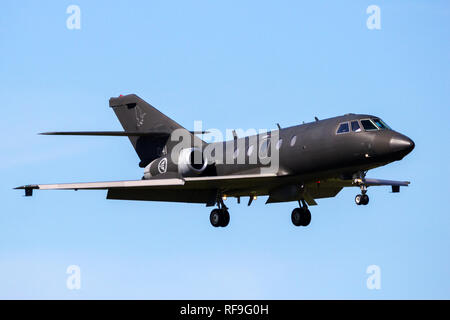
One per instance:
(362, 199)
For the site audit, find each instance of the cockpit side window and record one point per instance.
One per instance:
(355, 126)
(368, 125)
(381, 124)
(343, 128)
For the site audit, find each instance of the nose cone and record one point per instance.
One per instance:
(401, 144)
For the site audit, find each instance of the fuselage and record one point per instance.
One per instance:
(338, 146)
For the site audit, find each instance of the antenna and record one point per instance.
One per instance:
(235, 136)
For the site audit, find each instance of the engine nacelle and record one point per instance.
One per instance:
(159, 166)
(191, 162)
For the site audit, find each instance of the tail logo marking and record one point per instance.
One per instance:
(162, 165)
(139, 116)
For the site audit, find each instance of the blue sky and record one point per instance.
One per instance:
(231, 64)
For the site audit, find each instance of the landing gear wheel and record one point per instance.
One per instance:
(214, 218)
(296, 217)
(225, 218)
(306, 217)
(219, 218)
(301, 217)
(362, 199)
(365, 199)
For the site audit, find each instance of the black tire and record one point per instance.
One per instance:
(296, 217)
(215, 218)
(365, 199)
(306, 217)
(358, 199)
(225, 218)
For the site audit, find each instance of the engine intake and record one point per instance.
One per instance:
(191, 162)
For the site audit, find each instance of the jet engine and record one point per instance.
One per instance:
(191, 162)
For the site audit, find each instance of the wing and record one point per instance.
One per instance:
(380, 182)
(104, 185)
(206, 189)
(329, 188)
(194, 189)
(368, 182)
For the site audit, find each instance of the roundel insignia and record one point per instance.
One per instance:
(162, 165)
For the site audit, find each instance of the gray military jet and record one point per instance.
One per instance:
(300, 163)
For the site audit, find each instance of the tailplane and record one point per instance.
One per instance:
(148, 129)
(138, 116)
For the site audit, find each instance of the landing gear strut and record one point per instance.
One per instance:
(301, 216)
(220, 217)
(363, 198)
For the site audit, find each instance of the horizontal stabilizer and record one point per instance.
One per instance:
(106, 133)
(115, 133)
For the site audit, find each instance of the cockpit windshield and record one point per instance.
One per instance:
(368, 125)
(381, 124)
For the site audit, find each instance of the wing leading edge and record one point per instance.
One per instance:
(198, 181)
(104, 185)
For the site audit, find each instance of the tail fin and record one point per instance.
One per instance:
(136, 115)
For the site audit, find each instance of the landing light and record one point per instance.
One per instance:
(255, 197)
(224, 197)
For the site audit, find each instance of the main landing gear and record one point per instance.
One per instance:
(220, 217)
(301, 216)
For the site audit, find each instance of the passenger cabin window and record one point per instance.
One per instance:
(368, 125)
(355, 126)
(293, 141)
(343, 128)
(381, 124)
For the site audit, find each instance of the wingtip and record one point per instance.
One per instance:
(28, 186)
